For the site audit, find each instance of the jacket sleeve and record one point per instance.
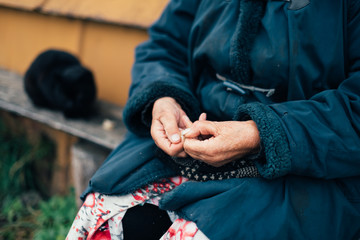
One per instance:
(161, 67)
(319, 137)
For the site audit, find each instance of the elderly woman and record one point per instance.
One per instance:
(244, 123)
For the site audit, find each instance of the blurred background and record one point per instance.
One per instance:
(103, 35)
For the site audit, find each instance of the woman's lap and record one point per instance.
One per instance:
(100, 217)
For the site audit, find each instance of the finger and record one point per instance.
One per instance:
(202, 117)
(161, 140)
(205, 151)
(204, 128)
(195, 146)
(171, 127)
(158, 134)
(197, 149)
(176, 150)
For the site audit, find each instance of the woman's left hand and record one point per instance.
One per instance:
(218, 143)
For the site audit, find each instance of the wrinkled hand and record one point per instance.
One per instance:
(218, 143)
(168, 119)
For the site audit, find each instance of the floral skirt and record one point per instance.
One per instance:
(100, 216)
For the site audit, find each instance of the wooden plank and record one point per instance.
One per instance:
(14, 99)
(85, 160)
(138, 13)
(61, 176)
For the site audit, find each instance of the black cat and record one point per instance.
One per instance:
(57, 80)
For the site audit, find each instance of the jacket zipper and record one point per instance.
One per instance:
(240, 88)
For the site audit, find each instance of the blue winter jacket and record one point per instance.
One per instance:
(297, 76)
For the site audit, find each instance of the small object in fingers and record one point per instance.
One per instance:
(183, 132)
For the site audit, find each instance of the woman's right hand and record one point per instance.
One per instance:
(168, 119)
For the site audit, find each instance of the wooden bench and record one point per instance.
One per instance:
(81, 145)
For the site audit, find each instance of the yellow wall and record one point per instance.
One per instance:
(107, 49)
(24, 35)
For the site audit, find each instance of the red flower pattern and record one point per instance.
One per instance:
(100, 216)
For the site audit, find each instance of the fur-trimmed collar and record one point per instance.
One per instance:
(250, 15)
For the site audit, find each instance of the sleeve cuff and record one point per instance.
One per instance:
(137, 113)
(274, 142)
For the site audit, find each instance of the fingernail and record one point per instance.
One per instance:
(175, 138)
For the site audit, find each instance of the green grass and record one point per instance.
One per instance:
(27, 210)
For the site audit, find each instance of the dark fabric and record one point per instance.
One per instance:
(250, 15)
(254, 208)
(131, 165)
(200, 171)
(145, 222)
